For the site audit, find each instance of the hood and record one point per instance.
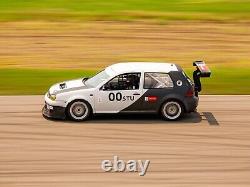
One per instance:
(67, 86)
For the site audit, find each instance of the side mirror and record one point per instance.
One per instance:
(84, 79)
(104, 87)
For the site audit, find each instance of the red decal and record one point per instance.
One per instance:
(203, 67)
(152, 98)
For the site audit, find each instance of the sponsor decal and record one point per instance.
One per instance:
(151, 98)
(119, 97)
(179, 83)
(62, 85)
(203, 67)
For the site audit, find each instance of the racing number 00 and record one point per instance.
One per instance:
(117, 96)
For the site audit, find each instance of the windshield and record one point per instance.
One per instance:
(97, 79)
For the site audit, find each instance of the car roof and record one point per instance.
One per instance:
(127, 67)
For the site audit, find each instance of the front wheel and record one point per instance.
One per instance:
(79, 111)
(171, 110)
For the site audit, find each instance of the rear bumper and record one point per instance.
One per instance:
(191, 104)
(56, 112)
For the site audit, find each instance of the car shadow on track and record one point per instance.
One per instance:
(210, 118)
(143, 119)
(190, 118)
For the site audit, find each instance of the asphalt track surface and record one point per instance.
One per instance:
(207, 148)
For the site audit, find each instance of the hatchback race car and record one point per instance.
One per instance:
(130, 87)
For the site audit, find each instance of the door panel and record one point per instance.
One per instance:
(119, 93)
(115, 101)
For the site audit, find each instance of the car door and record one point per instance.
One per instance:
(118, 93)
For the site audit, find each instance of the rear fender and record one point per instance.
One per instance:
(173, 97)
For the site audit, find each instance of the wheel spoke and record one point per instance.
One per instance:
(79, 110)
(171, 110)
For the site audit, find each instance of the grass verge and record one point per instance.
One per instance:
(61, 10)
(34, 81)
(224, 80)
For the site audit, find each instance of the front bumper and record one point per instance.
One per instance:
(56, 112)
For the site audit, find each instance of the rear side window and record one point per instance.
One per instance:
(157, 80)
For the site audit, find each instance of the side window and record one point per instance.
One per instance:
(157, 80)
(127, 81)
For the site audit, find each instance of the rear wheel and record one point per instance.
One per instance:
(79, 111)
(172, 110)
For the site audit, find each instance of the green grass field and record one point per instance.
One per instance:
(61, 10)
(33, 81)
(20, 48)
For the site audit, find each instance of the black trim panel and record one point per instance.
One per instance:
(57, 112)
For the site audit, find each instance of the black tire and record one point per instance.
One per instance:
(79, 110)
(172, 110)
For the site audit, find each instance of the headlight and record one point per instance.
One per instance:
(52, 96)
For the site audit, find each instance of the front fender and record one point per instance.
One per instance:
(88, 99)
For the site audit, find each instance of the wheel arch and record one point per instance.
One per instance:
(78, 99)
(177, 99)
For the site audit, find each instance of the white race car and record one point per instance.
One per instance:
(127, 87)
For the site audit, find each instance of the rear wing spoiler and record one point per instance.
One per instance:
(203, 68)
